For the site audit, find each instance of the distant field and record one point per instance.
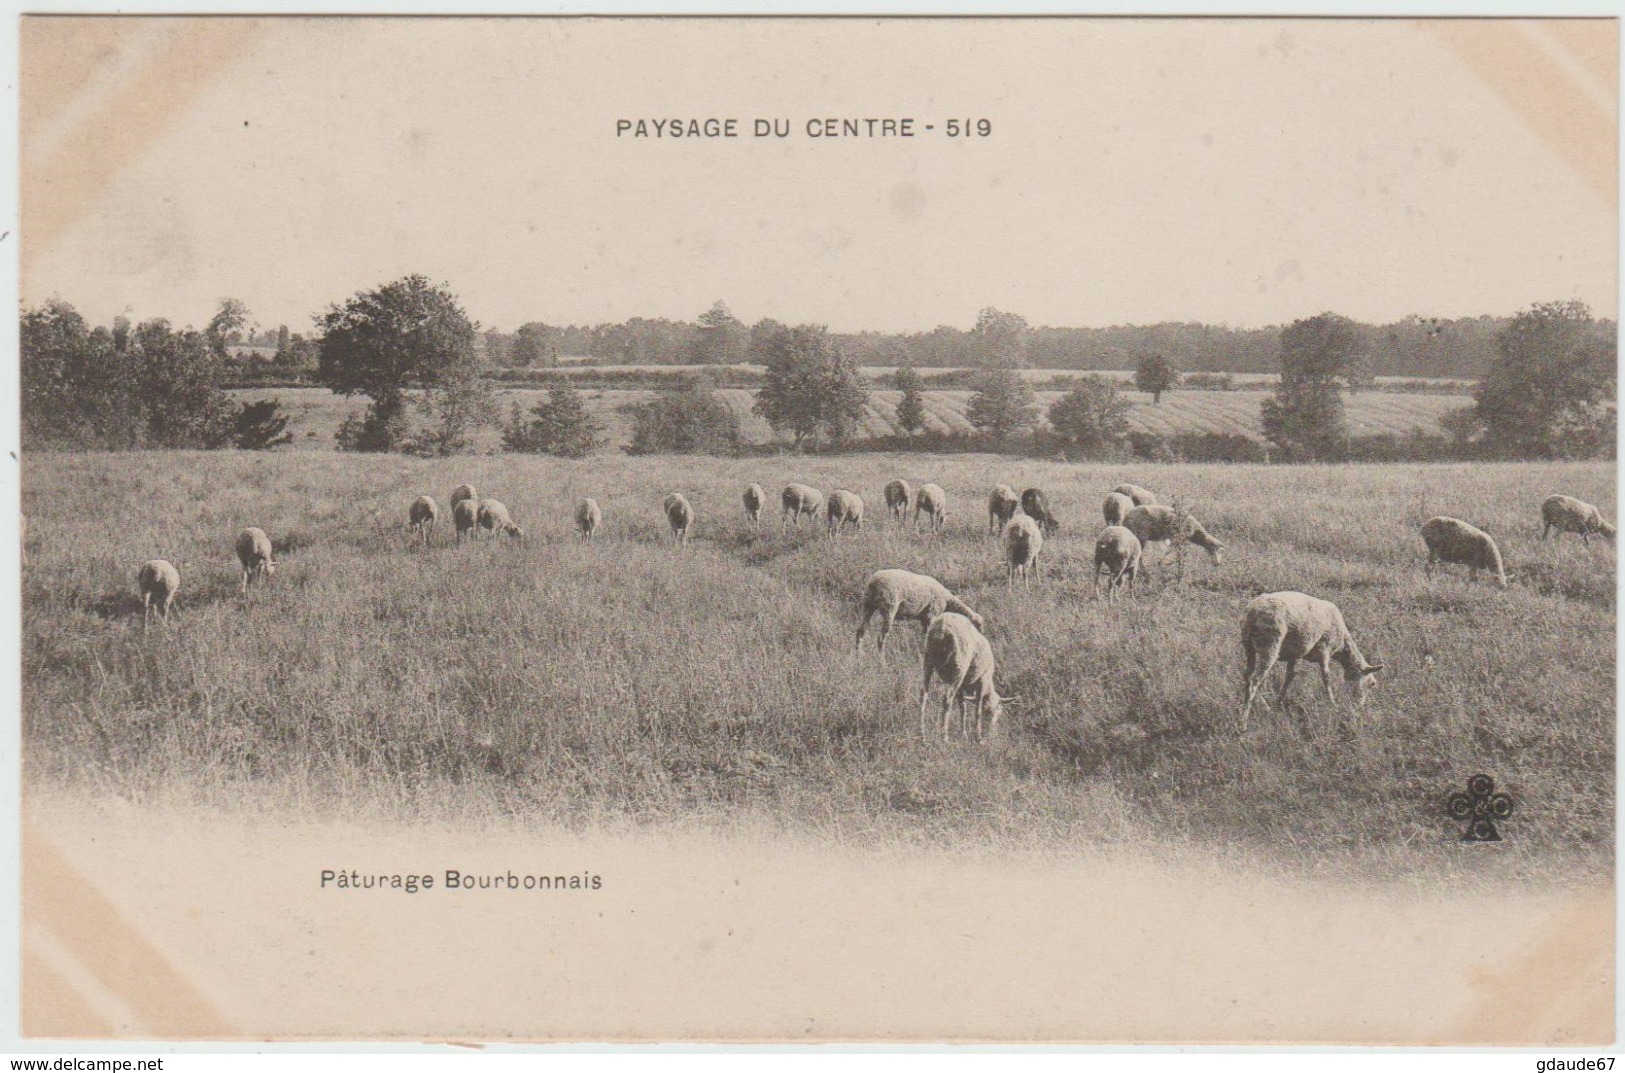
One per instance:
(628, 682)
(317, 412)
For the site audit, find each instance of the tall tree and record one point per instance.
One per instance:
(719, 339)
(1320, 356)
(78, 386)
(911, 407)
(406, 335)
(1156, 374)
(228, 324)
(1092, 417)
(179, 387)
(999, 340)
(1546, 394)
(533, 346)
(1003, 404)
(811, 386)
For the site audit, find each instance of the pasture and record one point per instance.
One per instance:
(316, 413)
(628, 683)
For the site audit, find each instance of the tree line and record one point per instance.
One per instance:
(409, 346)
(1413, 346)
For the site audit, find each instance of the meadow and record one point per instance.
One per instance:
(316, 413)
(629, 682)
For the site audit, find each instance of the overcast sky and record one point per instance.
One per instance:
(1240, 171)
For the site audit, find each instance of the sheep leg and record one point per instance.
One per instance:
(146, 610)
(244, 589)
(1253, 679)
(1325, 662)
(957, 693)
(925, 693)
(1291, 673)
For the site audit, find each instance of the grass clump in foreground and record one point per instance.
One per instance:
(626, 681)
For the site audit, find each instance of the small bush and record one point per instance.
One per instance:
(260, 426)
(372, 430)
(686, 420)
(560, 425)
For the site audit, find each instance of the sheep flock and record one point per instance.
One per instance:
(957, 653)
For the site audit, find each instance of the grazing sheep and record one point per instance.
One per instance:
(844, 508)
(1452, 540)
(1036, 505)
(900, 593)
(422, 516)
(1117, 551)
(588, 517)
(1291, 626)
(158, 581)
(464, 515)
(799, 499)
(898, 494)
(755, 500)
(1116, 507)
(1142, 497)
(1023, 540)
(462, 492)
(934, 502)
(957, 653)
(680, 516)
(493, 517)
(1002, 505)
(1569, 515)
(254, 552)
(1157, 524)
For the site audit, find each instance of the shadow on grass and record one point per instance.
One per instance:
(1552, 579)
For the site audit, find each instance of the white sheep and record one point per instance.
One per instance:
(957, 653)
(1291, 626)
(933, 502)
(158, 581)
(898, 493)
(588, 518)
(755, 500)
(1142, 497)
(1569, 515)
(1117, 552)
(1158, 524)
(254, 553)
(799, 499)
(1002, 504)
(1451, 540)
(462, 492)
(1036, 505)
(679, 515)
(843, 508)
(1023, 540)
(897, 594)
(1116, 507)
(493, 517)
(422, 517)
(464, 519)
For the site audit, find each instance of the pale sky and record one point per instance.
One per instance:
(1248, 172)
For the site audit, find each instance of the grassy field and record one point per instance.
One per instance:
(317, 413)
(629, 682)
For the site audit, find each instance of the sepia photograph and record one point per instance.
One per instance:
(1042, 530)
